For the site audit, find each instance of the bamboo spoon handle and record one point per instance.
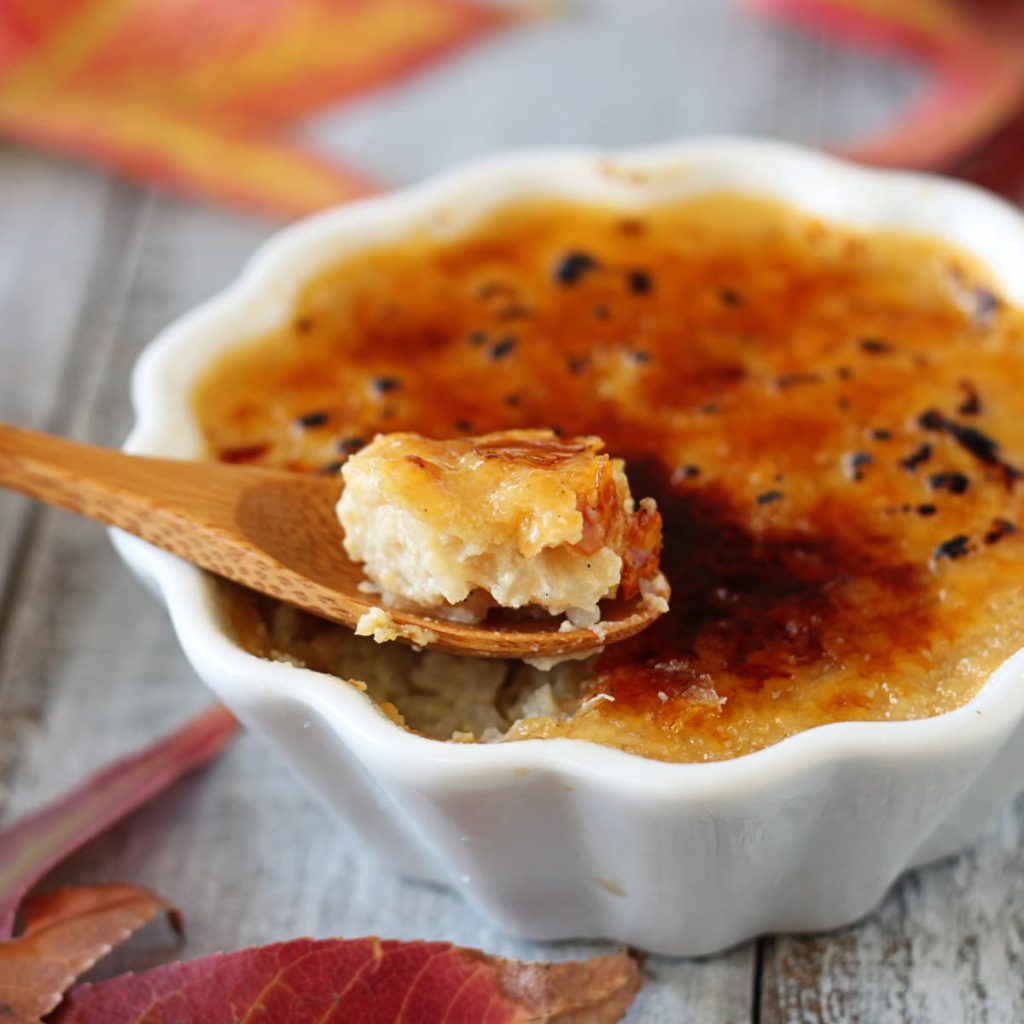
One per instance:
(268, 529)
(191, 509)
(139, 495)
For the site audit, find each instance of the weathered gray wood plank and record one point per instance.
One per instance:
(51, 219)
(947, 945)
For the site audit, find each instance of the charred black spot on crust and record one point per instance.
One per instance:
(971, 404)
(972, 440)
(639, 355)
(463, 426)
(875, 346)
(577, 364)
(955, 547)
(350, 444)
(999, 529)
(953, 482)
(926, 510)
(921, 454)
(730, 297)
(854, 464)
(331, 469)
(310, 420)
(769, 497)
(879, 434)
(384, 385)
(639, 282)
(572, 266)
(304, 324)
(982, 447)
(503, 348)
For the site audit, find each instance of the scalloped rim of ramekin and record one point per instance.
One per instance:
(836, 190)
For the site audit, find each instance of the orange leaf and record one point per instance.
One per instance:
(67, 932)
(975, 51)
(274, 60)
(203, 158)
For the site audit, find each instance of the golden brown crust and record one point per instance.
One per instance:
(831, 425)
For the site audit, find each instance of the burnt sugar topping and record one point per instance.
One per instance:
(831, 424)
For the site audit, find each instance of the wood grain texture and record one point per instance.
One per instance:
(89, 668)
(947, 945)
(51, 223)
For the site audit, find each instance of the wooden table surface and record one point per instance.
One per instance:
(91, 267)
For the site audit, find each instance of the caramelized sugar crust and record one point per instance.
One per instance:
(610, 517)
(506, 482)
(831, 424)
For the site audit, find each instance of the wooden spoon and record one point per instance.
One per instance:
(270, 530)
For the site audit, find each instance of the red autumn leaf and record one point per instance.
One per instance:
(330, 981)
(66, 932)
(32, 846)
(970, 119)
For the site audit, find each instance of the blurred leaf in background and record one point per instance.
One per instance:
(204, 95)
(199, 95)
(970, 119)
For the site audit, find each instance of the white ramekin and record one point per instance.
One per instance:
(560, 838)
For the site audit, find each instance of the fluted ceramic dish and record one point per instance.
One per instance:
(561, 838)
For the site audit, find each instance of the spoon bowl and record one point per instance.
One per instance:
(273, 531)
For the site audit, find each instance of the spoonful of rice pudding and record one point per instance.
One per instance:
(517, 544)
